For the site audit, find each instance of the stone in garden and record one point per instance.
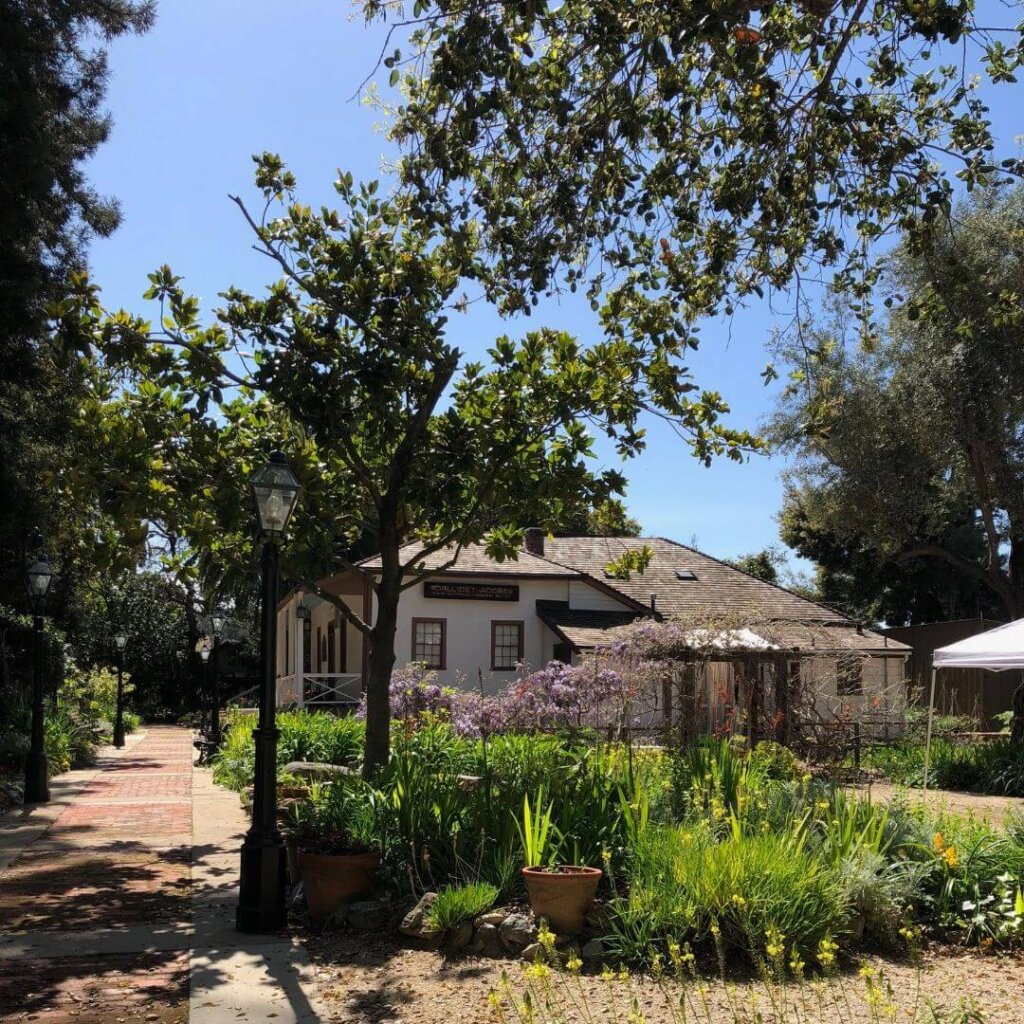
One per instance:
(316, 771)
(494, 917)
(461, 935)
(468, 783)
(487, 941)
(368, 915)
(592, 950)
(533, 952)
(517, 932)
(597, 918)
(415, 924)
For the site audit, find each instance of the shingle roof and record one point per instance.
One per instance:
(473, 560)
(580, 627)
(716, 587)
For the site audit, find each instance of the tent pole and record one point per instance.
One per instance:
(928, 733)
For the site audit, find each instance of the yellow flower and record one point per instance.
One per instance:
(774, 946)
(938, 842)
(738, 900)
(574, 963)
(827, 952)
(546, 937)
(949, 855)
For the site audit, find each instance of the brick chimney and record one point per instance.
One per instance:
(533, 540)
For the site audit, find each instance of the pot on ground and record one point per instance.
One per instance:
(562, 895)
(329, 879)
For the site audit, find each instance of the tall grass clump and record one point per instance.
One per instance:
(458, 903)
(684, 885)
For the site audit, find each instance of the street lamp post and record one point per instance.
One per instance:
(261, 899)
(217, 622)
(37, 770)
(120, 642)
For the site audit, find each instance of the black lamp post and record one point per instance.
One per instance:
(37, 772)
(217, 624)
(120, 642)
(261, 901)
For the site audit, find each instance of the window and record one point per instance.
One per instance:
(428, 642)
(686, 575)
(307, 645)
(506, 645)
(850, 675)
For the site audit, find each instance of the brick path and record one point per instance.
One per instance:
(112, 866)
(117, 902)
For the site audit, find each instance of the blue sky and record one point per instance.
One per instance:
(213, 83)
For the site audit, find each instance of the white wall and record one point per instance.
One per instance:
(469, 629)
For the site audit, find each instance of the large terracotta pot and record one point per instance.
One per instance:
(563, 896)
(329, 879)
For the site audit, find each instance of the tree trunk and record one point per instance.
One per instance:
(381, 663)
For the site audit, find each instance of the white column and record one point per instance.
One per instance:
(300, 637)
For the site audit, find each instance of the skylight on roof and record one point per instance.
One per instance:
(685, 574)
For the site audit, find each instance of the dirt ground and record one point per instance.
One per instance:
(378, 981)
(993, 809)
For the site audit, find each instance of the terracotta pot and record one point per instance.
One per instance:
(292, 792)
(563, 896)
(329, 879)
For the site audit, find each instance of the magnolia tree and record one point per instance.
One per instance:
(347, 363)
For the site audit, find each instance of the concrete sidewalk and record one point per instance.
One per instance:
(117, 901)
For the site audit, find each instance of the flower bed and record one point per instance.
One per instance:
(710, 846)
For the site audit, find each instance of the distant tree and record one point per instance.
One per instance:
(909, 471)
(763, 564)
(390, 429)
(609, 518)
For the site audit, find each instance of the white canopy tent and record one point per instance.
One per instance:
(997, 650)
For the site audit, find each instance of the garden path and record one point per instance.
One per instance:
(117, 901)
(993, 809)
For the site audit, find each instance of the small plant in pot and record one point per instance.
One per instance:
(336, 855)
(560, 893)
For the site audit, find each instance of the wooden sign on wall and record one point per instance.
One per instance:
(453, 591)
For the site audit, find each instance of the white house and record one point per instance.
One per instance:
(478, 619)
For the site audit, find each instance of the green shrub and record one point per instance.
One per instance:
(304, 736)
(13, 748)
(458, 903)
(775, 761)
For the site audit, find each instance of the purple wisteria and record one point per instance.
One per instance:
(557, 696)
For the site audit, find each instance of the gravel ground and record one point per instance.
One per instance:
(378, 981)
(992, 808)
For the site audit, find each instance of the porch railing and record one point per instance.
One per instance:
(330, 690)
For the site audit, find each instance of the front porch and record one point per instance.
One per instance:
(320, 655)
(330, 691)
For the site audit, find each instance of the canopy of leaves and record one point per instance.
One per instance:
(913, 450)
(52, 81)
(676, 156)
